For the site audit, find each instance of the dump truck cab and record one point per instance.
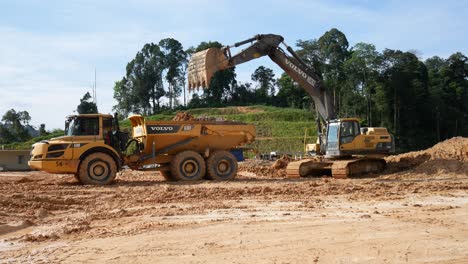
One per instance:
(85, 135)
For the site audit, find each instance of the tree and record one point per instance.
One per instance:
(448, 88)
(334, 50)
(175, 61)
(242, 94)
(141, 89)
(124, 97)
(438, 95)
(326, 56)
(291, 94)
(266, 80)
(42, 130)
(403, 99)
(5, 135)
(362, 72)
(14, 127)
(87, 106)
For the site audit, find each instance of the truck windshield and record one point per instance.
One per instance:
(82, 126)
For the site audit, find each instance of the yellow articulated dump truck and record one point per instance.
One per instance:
(94, 149)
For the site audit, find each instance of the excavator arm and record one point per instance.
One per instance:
(204, 64)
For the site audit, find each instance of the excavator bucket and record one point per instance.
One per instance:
(203, 65)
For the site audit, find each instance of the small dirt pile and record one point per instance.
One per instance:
(183, 116)
(265, 168)
(449, 156)
(281, 163)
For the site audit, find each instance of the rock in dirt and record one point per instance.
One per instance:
(42, 213)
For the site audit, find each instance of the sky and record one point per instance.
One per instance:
(49, 49)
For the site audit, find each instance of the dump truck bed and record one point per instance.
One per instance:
(171, 137)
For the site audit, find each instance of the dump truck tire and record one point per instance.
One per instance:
(97, 169)
(168, 176)
(188, 166)
(221, 165)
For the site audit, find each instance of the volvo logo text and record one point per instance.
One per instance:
(300, 72)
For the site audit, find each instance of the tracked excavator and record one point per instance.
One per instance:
(343, 148)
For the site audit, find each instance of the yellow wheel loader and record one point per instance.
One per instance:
(343, 149)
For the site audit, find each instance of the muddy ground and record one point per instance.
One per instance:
(415, 212)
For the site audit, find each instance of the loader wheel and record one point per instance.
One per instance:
(97, 169)
(188, 166)
(168, 176)
(221, 165)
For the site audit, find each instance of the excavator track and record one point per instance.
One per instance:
(339, 169)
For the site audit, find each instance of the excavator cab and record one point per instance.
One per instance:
(339, 133)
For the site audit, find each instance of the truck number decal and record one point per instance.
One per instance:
(162, 129)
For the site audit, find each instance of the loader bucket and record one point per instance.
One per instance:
(203, 65)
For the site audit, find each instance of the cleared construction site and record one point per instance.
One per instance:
(261, 216)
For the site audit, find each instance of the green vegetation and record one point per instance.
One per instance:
(28, 144)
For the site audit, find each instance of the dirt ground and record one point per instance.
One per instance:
(415, 212)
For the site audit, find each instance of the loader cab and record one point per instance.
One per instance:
(82, 126)
(89, 125)
(94, 127)
(339, 132)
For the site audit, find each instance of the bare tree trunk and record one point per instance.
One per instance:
(395, 111)
(154, 100)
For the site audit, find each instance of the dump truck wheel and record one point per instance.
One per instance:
(221, 165)
(97, 169)
(168, 176)
(188, 166)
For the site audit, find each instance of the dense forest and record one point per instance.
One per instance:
(420, 102)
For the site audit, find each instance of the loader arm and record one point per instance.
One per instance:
(205, 63)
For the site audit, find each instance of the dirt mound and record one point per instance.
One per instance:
(183, 116)
(265, 168)
(449, 156)
(281, 163)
